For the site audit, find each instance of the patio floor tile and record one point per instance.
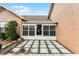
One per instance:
(41, 47)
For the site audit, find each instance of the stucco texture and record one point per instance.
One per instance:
(6, 16)
(67, 17)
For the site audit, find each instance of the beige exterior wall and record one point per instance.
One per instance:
(6, 16)
(67, 17)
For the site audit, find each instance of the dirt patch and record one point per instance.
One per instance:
(5, 42)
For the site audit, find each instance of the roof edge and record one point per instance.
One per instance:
(12, 12)
(50, 11)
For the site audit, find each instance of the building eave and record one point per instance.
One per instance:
(13, 13)
(50, 11)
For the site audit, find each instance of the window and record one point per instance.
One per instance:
(25, 30)
(52, 30)
(2, 28)
(46, 30)
(31, 30)
(31, 27)
(25, 27)
(28, 30)
(25, 33)
(49, 30)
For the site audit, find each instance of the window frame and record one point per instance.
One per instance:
(25, 31)
(2, 26)
(31, 30)
(28, 25)
(49, 30)
(45, 30)
(35, 34)
(53, 30)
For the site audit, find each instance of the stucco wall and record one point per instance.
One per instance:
(6, 16)
(67, 17)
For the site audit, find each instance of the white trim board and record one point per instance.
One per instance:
(39, 37)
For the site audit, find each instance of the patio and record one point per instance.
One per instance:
(39, 47)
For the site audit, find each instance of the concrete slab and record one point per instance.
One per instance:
(43, 48)
(54, 51)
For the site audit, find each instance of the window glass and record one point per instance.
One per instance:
(25, 33)
(46, 33)
(31, 30)
(46, 30)
(45, 27)
(31, 33)
(25, 30)
(52, 27)
(25, 27)
(52, 33)
(31, 27)
(2, 29)
(49, 30)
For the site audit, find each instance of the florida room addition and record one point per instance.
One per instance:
(38, 27)
(60, 25)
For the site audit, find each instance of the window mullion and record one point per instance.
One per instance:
(28, 30)
(49, 30)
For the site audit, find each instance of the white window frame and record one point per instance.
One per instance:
(28, 28)
(38, 36)
(49, 27)
(2, 24)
